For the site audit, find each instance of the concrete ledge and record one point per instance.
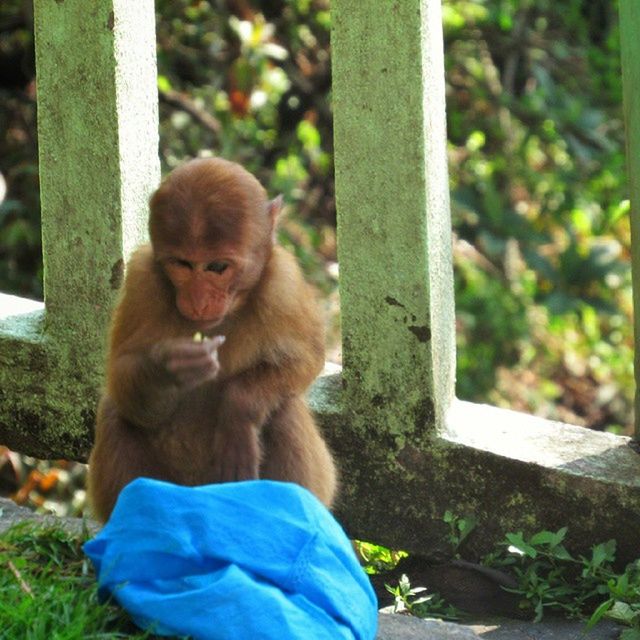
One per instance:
(48, 390)
(397, 627)
(12, 514)
(400, 627)
(552, 445)
(16, 306)
(512, 472)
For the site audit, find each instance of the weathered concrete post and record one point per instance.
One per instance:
(629, 29)
(393, 210)
(394, 238)
(98, 141)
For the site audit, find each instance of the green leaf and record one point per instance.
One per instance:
(623, 612)
(620, 211)
(544, 537)
(308, 135)
(599, 613)
(466, 526)
(560, 553)
(164, 84)
(518, 545)
(423, 599)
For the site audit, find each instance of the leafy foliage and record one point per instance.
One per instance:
(377, 559)
(418, 602)
(551, 579)
(536, 141)
(20, 246)
(459, 530)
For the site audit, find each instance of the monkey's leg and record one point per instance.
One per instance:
(294, 451)
(120, 454)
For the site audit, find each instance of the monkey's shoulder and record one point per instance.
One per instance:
(284, 287)
(287, 308)
(285, 299)
(140, 263)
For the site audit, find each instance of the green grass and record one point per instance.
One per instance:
(48, 589)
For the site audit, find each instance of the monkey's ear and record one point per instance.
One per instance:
(273, 210)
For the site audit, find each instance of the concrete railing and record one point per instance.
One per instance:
(407, 448)
(98, 144)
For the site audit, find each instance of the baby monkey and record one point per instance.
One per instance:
(213, 343)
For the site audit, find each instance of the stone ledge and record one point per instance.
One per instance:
(11, 514)
(397, 627)
(575, 450)
(508, 470)
(11, 306)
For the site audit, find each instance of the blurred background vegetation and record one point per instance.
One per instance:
(537, 170)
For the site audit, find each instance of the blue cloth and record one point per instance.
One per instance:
(246, 560)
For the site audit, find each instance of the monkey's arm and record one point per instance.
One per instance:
(278, 344)
(251, 396)
(142, 392)
(148, 368)
(274, 350)
(247, 399)
(147, 386)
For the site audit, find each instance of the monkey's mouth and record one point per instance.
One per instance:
(204, 324)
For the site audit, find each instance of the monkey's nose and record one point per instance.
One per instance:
(199, 308)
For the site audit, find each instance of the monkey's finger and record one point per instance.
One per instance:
(178, 365)
(195, 372)
(240, 460)
(235, 470)
(212, 345)
(212, 370)
(193, 363)
(244, 469)
(217, 341)
(188, 349)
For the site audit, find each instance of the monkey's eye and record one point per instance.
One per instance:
(178, 262)
(217, 267)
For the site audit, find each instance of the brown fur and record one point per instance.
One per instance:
(248, 418)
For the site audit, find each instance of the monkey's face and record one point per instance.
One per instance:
(211, 227)
(203, 284)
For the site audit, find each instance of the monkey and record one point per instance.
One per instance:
(228, 405)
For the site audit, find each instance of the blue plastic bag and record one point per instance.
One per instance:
(257, 560)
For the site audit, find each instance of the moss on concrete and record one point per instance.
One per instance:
(47, 391)
(396, 492)
(393, 212)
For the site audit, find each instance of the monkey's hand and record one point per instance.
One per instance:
(237, 453)
(187, 362)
